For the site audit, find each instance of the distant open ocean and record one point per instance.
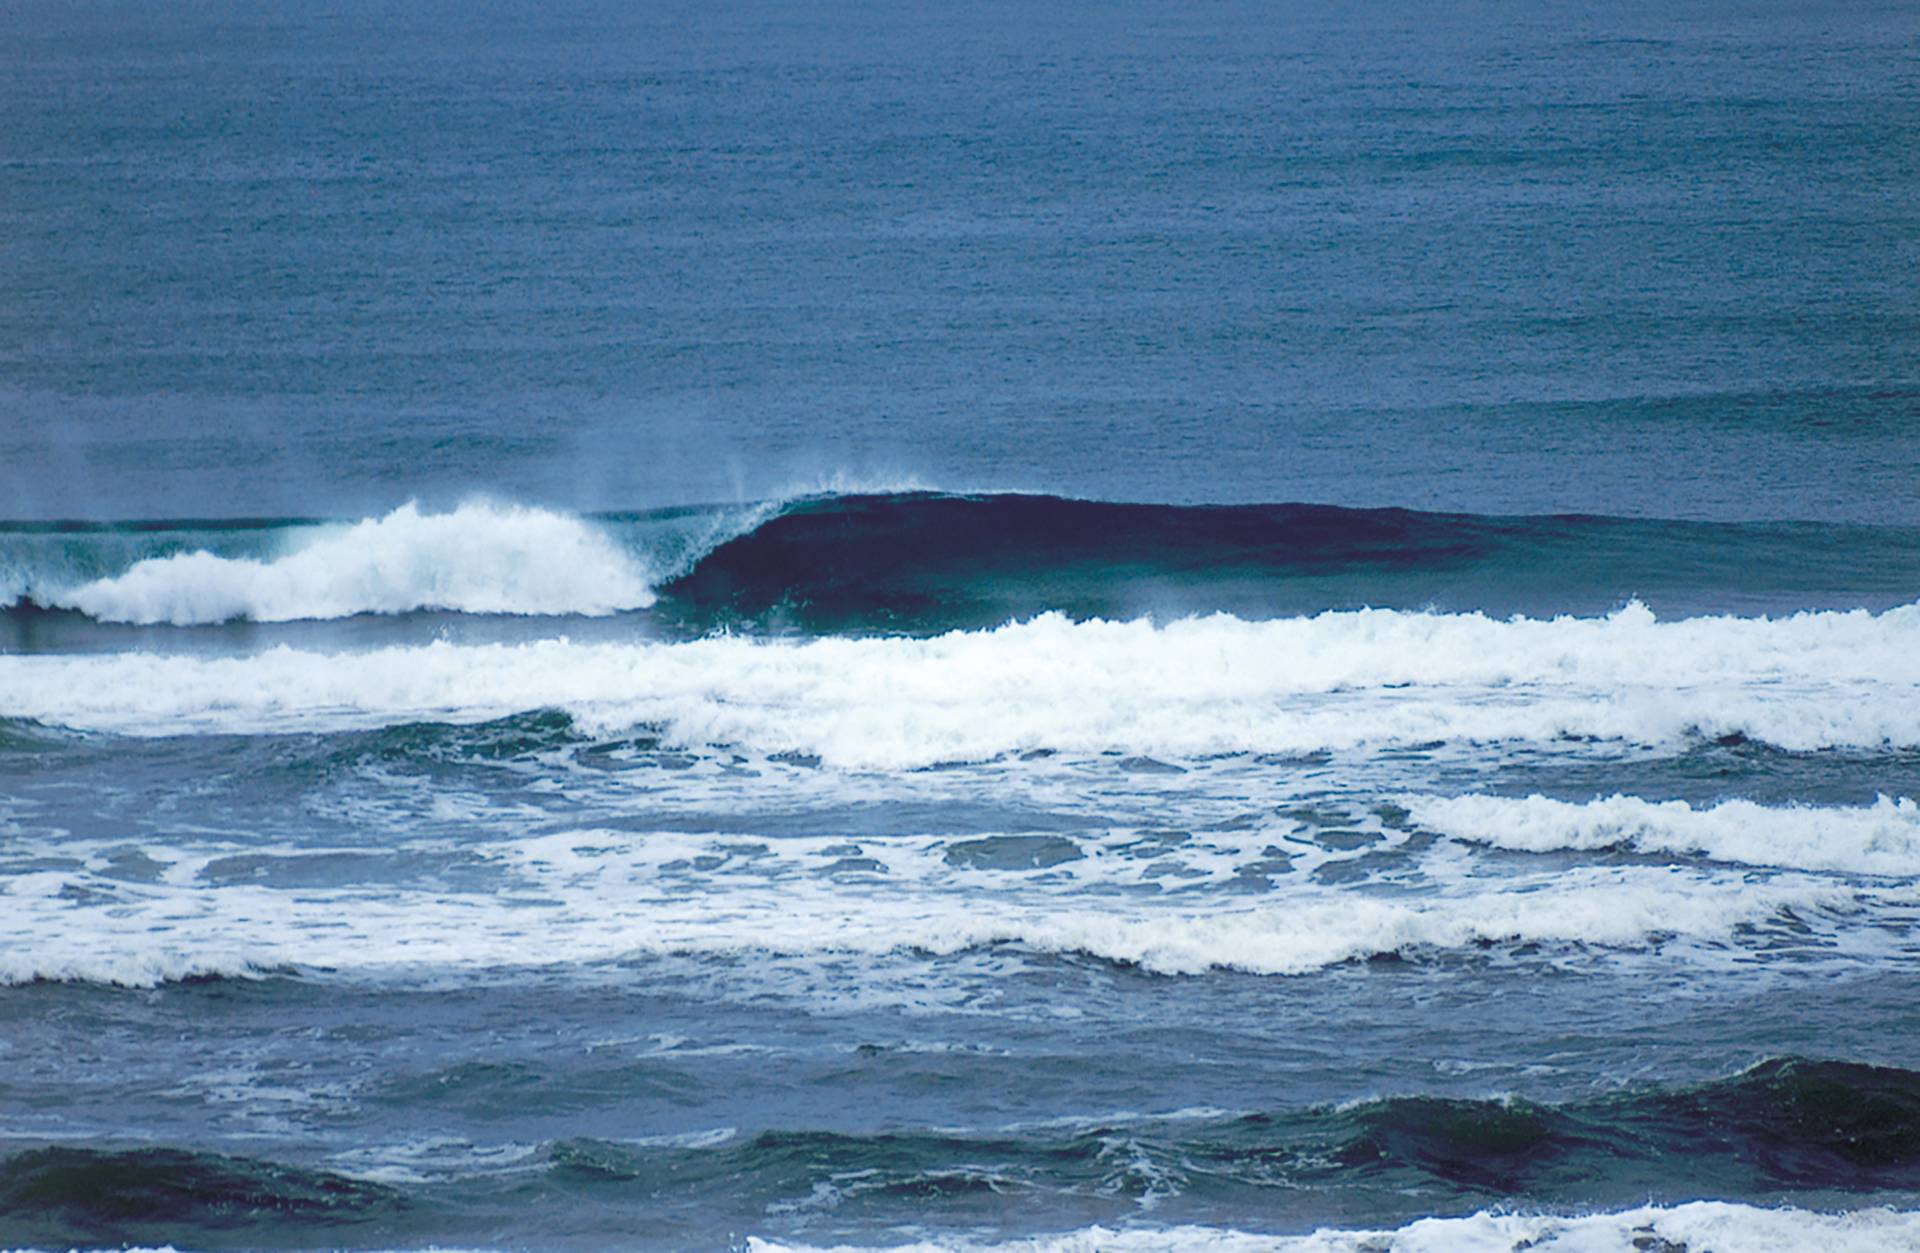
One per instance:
(1013, 626)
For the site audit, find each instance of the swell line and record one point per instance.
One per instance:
(919, 562)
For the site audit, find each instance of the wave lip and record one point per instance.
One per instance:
(478, 558)
(1882, 838)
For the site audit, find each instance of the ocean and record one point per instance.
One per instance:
(1028, 627)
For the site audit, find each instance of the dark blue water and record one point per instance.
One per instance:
(631, 626)
(1513, 259)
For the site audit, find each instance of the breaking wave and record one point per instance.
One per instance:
(479, 558)
(922, 561)
(1882, 838)
(1371, 678)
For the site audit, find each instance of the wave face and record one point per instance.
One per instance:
(924, 562)
(920, 561)
(917, 559)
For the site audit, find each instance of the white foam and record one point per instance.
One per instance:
(1881, 838)
(1721, 1226)
(478, 558)
(1187, 688)
(587, 897)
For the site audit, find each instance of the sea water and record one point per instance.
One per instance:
(1219, 627)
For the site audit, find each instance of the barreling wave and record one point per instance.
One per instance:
(922, 561)
(1880, 839)
(1365, 679)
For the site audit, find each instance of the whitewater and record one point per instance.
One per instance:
(596, 897)
(1185, 688)
(477, 558)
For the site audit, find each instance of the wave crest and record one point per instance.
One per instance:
(1882, 838)
(478, 558)
(1199, 686)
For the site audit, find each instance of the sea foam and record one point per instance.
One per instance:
(571, 904)
(1881, 838)
(478, 558)
(1182, 689)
